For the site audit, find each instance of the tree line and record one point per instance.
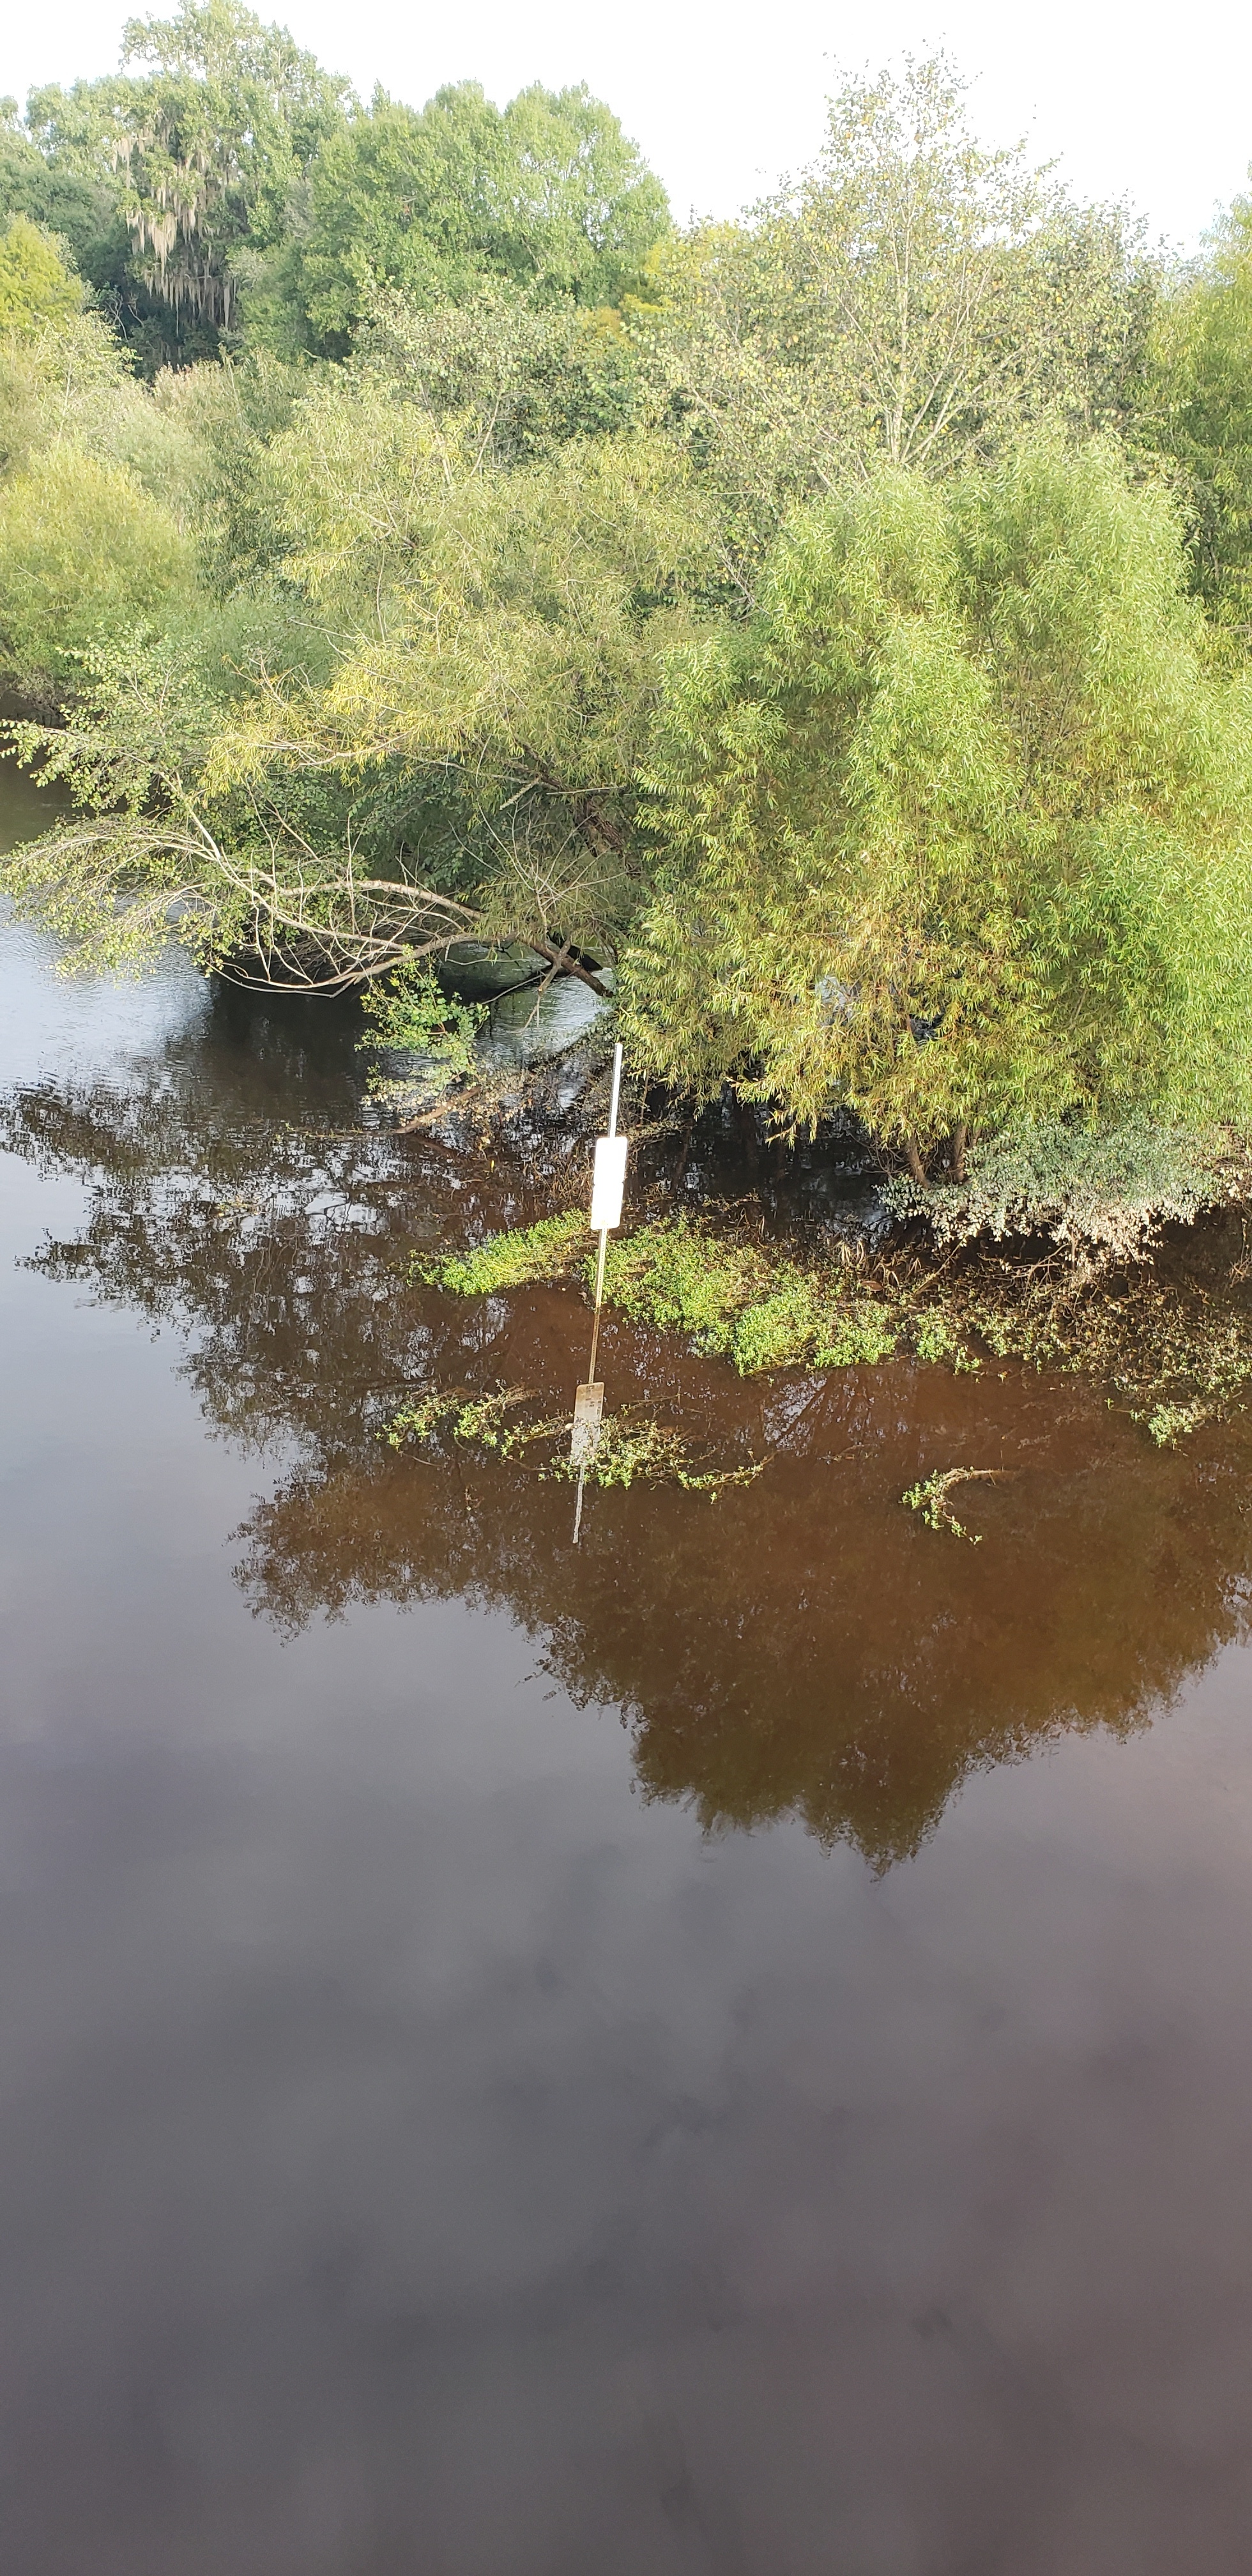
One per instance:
(827, 630)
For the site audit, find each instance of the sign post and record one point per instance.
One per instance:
(607, 1188)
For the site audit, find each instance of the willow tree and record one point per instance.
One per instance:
(958, 828)
(444, 741)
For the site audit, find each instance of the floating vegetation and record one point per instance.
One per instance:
(734, 1300)
(1174, 1352)
(741, 1302)
(548, 1250)
(931, 1498)
(632, 1444)
(466, 1416)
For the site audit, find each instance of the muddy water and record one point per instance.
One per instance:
(728, 2050)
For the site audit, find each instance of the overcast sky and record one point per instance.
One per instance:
(1135, 100)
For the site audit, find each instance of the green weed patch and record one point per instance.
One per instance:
(1173, 1353)
(543, 1251)
(632, 1445)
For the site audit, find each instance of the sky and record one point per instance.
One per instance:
(1135, 101)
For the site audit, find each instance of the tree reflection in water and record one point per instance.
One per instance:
(801, 1646)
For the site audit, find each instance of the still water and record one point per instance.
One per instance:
(726, 2051)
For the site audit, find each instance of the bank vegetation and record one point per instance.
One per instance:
(824, 634)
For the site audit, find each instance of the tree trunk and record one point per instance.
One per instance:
(915, 1163)
(960, 1139)
(680, 1169)
(749, 1134)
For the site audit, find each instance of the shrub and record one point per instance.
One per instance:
(35, 284)
(84, 555)
(1104, 1191)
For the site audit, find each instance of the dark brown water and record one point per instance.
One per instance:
(727, 2051)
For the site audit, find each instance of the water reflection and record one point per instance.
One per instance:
(803, 1646)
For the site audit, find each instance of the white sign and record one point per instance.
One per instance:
(608, 1183)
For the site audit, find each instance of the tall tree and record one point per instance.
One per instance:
(914, 296)
(548, 194)
(80, 210)
(204, 146)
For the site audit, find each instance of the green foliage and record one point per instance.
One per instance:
(954, 829)
(754, 609)
(200, 151)
(411, 1015)
(931, 1499)
(548, 194)
(675, 1276)
(914, 297)
(523, 376)
(740, 1302)
(1196, 409)
(83, 552)
(732, 1300)
(67, 384)
(543, 1251)
(936, 1338)
(235, 412)
(76, 212)
(35, 284)
(499, 635)
(1101, 1190)
(631, 1446)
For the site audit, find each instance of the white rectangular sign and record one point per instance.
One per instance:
(608, 1183)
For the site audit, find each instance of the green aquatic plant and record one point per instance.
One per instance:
(1170, 1423)
(512, 1260)
(631, 1445)
(935, 1338)
(1172, 1353)
(476, 1418)
(741, 1302)
(422, 1415)
(930, 1498)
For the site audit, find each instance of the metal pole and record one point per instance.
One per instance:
(595, 1321)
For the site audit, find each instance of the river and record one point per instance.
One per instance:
(725, 2051)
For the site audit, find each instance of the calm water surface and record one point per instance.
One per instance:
(728, 2051)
